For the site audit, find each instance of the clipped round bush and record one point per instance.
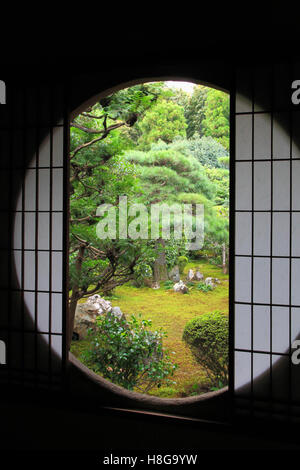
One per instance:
(207, 336)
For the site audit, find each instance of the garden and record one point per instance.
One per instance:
(149, 305)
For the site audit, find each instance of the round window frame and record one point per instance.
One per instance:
(210, 405)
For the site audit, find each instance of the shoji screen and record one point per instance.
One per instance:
(32, 203)
(267, 243)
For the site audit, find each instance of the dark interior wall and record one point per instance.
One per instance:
(214, 66)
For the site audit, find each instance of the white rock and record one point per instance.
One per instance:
(180, 287)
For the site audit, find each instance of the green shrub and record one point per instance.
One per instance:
(128, 354)
(167, 285)
(207, 336)
(203, 287)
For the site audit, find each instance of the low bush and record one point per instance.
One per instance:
(207, 337)
(167, 285)
(203, 287)
(128, 354)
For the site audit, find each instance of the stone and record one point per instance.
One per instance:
(209, 281)
(180, 287)
(155, 285)
(86, 314)
(101, 304)
(85, 318)
(174, 274)
(198, 276)
(190, 275)
(117, 312)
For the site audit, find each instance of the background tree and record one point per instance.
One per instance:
(135, 143)
(99, 175)
(216, 122)
(164, 122)
(194, 111)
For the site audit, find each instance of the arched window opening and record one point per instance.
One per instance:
(149, 238)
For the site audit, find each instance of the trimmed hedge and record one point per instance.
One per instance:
(207, 336)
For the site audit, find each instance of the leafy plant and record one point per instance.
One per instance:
(168, 285)
(203, 287)
(218, 387)
(128, 354)
(207, 336)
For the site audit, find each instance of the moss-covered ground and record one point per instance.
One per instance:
(171, 311)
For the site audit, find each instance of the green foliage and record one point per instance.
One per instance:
(168, 285)
(195, 111)
(207, 336)
(203, 287)
(165, 171)
(216, 122)
(100, 174)
(165, 121)
(142, 271)
(127, 353)
(220, 177)
(207, 150)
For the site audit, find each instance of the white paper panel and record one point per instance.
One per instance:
(295, 282)
(280, 329)
(29, 270)
(296, 185)
(243, 186)
(281, 234)
(261, 328)
(43, 311)
(262, 233)
(243, 233)
(295, 323)
(281, 136)
(57, 231)
(44, 190)
(57, 313)
(242, 372)
(281, 186)
(57, 270)
(242, 279)
(43, 270)
(242, 327)
(57, 193)
(262, 136)
(17, 238)
(243, 137)
(43, 232)
(296, 234)
(280, 281)
(262, 186)
(58, 136)
(261, 280)
(29, 230)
